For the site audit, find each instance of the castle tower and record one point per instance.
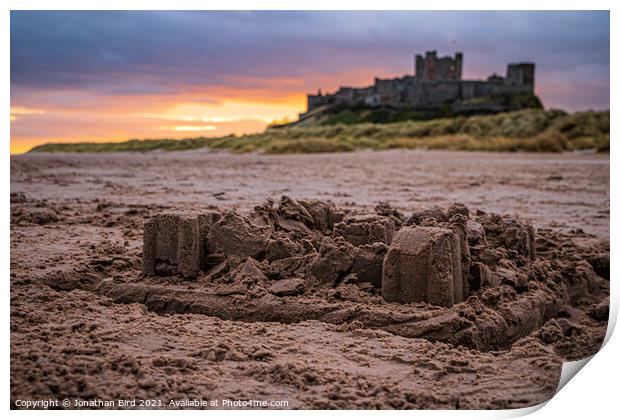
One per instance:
(458, 66)
(521, 74)
(431, 68)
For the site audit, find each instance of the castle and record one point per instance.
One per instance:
(437, 81)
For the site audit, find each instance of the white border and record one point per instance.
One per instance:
(592, 395)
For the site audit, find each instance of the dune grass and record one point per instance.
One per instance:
(526, 130)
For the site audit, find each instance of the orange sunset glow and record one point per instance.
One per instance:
(78, 116)
(176, 121)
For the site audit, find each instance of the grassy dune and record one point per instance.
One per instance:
(527, 130)
(124, 146)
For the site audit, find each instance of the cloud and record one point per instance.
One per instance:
(192, 128)
(20, 111)
(165, 52)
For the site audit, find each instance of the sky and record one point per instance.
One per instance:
(112, 76)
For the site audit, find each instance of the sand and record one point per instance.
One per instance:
(86, 324)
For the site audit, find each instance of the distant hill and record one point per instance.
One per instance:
(533, 130)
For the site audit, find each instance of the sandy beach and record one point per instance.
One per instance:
(77, 224)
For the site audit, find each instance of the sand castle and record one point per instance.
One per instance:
(432, 257)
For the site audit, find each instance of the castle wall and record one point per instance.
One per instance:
(436, 93)
(315, 101)
(390, 91)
